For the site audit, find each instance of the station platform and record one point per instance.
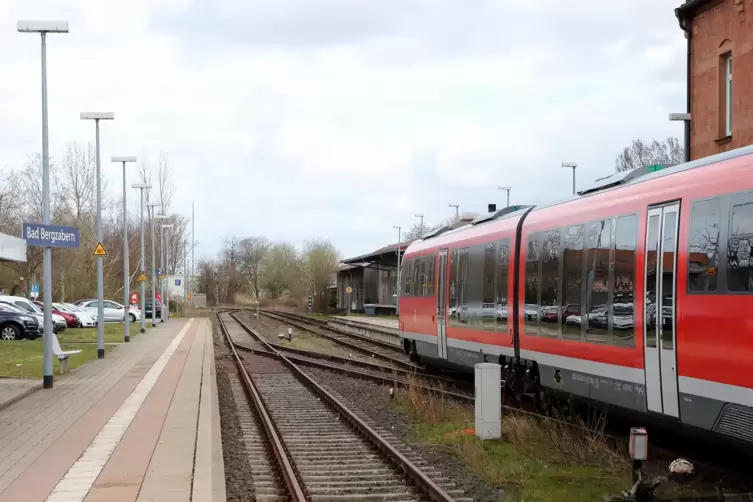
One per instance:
(142, 424)
(385, 330)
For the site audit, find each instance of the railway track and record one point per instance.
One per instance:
(320, 449)
(376, 348)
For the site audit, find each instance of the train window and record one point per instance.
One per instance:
(623, 320)
(550, 280)
(596, 324)
(572, 281)
(705, 223)
(503, 272)
(475, 286)
(431, 268)
(487, 298)
(416, 274)
(405, 278)
(739, 262)
(458, 310)
(532, 284)
(452, 308)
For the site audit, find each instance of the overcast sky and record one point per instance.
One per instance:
(296, 119)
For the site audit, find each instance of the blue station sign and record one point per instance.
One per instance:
(54, 236)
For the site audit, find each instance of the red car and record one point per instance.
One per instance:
(70, 320)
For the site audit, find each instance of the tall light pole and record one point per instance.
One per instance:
(421, 228)
(684, 117)
(193, 246)
(573, 165)
(457, 210)
(96, 117)
(43, 28)
(142, 262)
(397, 289)
(153, 216)
(126, 256)
(164, 271)
(508, 194)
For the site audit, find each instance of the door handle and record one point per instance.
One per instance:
(433, 320)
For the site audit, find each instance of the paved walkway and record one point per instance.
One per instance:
(141, 424)
(13, 389)
(376, 321)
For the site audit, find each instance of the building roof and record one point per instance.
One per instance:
(688, 9)
(377, 255)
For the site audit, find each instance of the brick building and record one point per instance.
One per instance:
(720, 52)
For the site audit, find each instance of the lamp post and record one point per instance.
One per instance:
(457, 210)
(573, 165)
(142, 263)
(126, 256)
(684, 117)
(508, 193)
(153, 216)
(397, 289)
(43, 28)
(421, 228)
(96, 117)
(164, 271)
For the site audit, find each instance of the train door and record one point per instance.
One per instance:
(442, 304)
(660, 341)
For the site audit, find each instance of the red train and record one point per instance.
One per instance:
(637, 293)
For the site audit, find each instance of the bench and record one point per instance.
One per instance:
(61, 354)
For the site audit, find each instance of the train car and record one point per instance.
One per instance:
(635, 293)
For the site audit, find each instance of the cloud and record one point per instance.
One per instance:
(297, 119)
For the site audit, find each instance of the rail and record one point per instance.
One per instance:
(286, 468)
(420, 479)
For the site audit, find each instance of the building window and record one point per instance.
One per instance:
(727, 82)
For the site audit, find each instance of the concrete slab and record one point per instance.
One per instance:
(13, 389)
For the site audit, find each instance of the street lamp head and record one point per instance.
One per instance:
(141, 185)
(418, 215)
(452, 205)
(398, 227)
(504, 188)
(569, 164)
(161, 216)
(168, 226)
(43, 26)
(153, 204)
(679, 116)
(97, 116)
(127, 158)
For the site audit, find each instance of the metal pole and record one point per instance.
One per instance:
(47, 252)
(162, 266)
(185, 269)
(422, 226)
(126, 271)
(508, 197)
(573, 180)
(154, 274)
(100, 263)
(193, 247)
(397, 288)
(143, 267)
(687, 141)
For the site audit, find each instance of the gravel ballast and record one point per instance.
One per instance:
(369, 401)
(238, 482)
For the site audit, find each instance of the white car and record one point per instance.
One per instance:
(58, 322)
(112, 311)
(85, 319)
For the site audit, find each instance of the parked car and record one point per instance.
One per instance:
(112, 311)
(70, 320)
(148, 308)
(15, 324)
(86, 320)
(58, 323)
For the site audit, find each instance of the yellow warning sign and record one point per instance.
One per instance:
(142, 277)
(99, 250)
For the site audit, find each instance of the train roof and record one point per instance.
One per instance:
(602, 185)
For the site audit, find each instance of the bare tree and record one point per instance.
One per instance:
(319, 260)
(640, 154)
(78, 181)
(165, 181)
(280, 269)
(252, 253)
